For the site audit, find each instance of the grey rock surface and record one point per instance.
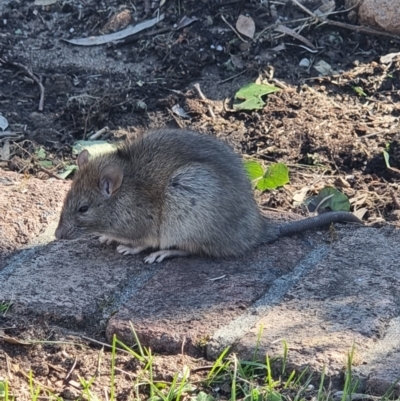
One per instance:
(182, 306)
(349, 297)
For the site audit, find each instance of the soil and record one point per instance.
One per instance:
(329, 130)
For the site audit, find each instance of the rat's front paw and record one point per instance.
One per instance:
(159, 256)
(126, 250)
(103, 239)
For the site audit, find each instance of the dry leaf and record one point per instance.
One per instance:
(299, 196)
(286, 30)
(185, 21)
(13, 340)
(323, 67)
(388, 58)
(112, 37)
(246, 26)
(237, 61)
(360, 212)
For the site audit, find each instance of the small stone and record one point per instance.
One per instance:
(305, 62)
(219, 48)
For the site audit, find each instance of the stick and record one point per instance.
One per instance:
(31, 75)
(50, 173)
(71, 370)
(356, 28)
(233, 29)
(360, 28)
(202, 97)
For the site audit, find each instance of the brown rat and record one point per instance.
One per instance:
(175, 190)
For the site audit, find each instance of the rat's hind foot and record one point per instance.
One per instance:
(159, 256)
(103, 239)
(127, 250)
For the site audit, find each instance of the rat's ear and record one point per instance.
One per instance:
(83, 158)
(110, 179)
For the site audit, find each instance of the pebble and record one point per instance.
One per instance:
(305, 62)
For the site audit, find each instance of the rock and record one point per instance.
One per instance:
(381, 14)
(305, 62)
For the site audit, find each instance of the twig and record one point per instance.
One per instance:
(56, 368)
(36, 381)
(232, 77)
(217, 278)
(104, 344)
(356, 28)
(98, 134)
(305, 9)
(233, 29)
(31, 75)
(50, 173)
(360, 28)
(374, 134)
(273, 26)
(71, 370)
(125, 372)
(291, 32)
(8, 133)
(183, 346)
(202, 97)
(209, 367)
(101, 353)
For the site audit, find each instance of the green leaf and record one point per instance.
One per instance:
(330, 199)
(386, 157)
(3, 390)
(67, 171)
(46, 163)
(155, 398)
(95, 148)
(274, 396)
(276, 176)
(40, 153)
(202, 396)
(359, 91)
(254, 169)
(249, 97)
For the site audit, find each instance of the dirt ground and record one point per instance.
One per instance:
(329, 130)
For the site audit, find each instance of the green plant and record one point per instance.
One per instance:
(249, 97)
(4, 307)
(86, 388)
(350, 385)
(229, 377)
(4, 394)
(35, 391)
(276, 175)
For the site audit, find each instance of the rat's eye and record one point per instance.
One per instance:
(83, 209)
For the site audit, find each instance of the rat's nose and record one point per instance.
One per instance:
(60, 234)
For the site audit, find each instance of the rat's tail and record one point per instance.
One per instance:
(299, 226)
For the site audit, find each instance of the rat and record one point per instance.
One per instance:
(175, 190)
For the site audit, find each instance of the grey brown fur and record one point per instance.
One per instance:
(175, 190)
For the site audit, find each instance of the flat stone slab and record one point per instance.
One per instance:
(181, 307)
(351, 296)
(27, 207)
(76, 283)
